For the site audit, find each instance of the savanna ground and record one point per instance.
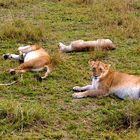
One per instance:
(45, 110)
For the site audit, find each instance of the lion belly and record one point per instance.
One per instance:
(31, 55)
(127, 92)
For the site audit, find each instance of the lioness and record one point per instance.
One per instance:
(34, 58)
(106, 81)
(81, 45)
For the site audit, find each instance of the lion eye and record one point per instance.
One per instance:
(100, 69)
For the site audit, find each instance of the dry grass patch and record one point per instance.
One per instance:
(14, 3)
(23, 31)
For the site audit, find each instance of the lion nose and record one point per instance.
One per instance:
(94, 69)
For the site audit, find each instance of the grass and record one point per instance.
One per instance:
(23, 31)
(46, 110)
(15, 3)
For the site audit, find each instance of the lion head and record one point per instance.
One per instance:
(99, 68)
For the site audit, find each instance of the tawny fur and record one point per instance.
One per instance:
(34, 58)
(81, 45)
(110, 82)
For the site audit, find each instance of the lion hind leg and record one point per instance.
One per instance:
(14, 71)
(24, 67)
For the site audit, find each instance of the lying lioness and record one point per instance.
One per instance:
(81, 45)
(34, 58)
(106, 81)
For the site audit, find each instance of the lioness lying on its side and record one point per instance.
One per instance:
(106, 81)
(34, 58)
(81, 45)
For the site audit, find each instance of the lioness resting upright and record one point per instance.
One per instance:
(81, 45)
(106, 81)
(34, 58)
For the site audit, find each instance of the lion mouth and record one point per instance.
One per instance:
(95, 75)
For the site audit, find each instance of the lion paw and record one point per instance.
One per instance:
(76, 88)
(77, 95)
(12, 71)
(6, 56)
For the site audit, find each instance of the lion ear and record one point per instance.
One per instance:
(91, 63)
(108, 66)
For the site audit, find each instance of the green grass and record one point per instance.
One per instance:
(46, 110)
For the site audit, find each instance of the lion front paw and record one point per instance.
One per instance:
(12, 71)
(76, 88)
(6, 56)
(78, 95)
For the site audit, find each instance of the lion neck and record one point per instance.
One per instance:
(108, 76)
(107, 80)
